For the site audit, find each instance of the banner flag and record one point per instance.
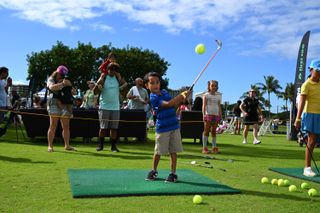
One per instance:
(298, 81)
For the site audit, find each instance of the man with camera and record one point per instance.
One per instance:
(108, 85)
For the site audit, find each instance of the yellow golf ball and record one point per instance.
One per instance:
(264, 180)
(200, 49)
(197, 199)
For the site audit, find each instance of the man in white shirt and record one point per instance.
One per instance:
(5, 82)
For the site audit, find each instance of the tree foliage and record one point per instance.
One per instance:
(83, 62)
(270, 85)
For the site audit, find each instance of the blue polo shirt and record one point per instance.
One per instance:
(166, 117)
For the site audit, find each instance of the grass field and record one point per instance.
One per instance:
(33, 180)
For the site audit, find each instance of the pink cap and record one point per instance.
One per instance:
(62, 70)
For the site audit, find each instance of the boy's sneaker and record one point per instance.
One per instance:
(244, 141)
(308, 172)
(215, 150)
(205, 150)
(152, 175)
(255, 142)
(172, 178)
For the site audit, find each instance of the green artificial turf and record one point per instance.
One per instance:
(297, 173)
(108, 183)
(33, 180)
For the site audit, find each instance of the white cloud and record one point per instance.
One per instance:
(102, 27)
(266, 26)
(20, 82)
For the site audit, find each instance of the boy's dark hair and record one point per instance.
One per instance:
(3, 69)
(150, 74)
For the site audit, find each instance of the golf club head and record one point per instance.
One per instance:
(219, 43)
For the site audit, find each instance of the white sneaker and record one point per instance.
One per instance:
(308, 172)
(255, 142)
(244, 141)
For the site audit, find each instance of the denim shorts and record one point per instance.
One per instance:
(54, 108)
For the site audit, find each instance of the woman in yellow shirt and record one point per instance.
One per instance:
(309, 108)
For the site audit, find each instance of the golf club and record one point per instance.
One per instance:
(194, 163)
(211, 158)
(301, 134)
(215, 158)
(301, 139)
(219, 43)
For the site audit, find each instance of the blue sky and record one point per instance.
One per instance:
(260, 37)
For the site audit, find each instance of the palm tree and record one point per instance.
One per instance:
(284, 108)
(288, 94)
(270, 85)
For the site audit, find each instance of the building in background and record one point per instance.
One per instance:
(174, 93)
(22, 90)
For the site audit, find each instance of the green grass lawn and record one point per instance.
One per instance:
(33, 180)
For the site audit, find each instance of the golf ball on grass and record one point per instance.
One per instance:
(200, 49)
(274, 182)
(280, 182)
(305, 185)
(312, 192)
(292, 188)
(264, 180)
(286, 182)
(197, 199)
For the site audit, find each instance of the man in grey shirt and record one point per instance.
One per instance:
(138, 99)
(138, 96)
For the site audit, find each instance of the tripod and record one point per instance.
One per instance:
(18, 124)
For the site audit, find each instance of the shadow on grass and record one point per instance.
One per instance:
(108, 154)
(261, 151)
(271, 195)
(22, 160)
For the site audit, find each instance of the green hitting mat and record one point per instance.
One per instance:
(297, 173)
(111, 183)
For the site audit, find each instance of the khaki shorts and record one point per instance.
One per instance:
(168, 142)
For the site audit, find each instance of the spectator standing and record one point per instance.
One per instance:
(138, 95)
(251, 112)
(109, 104)
(5, 83)
(212, 113)
(90, 100)
(58, 110)
(237, 117)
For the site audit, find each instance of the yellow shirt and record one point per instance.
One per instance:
(312, 90)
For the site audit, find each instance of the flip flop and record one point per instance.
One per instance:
(70, 148)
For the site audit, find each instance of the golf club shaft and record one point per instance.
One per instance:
(200, 165)
(312, 157)
(205, 67)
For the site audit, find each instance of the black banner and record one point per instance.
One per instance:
(298, 81)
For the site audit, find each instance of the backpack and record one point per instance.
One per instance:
(64, 95)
